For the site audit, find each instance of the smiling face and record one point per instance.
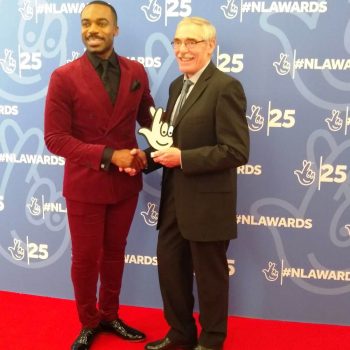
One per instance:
(192, 59)
(98, 29)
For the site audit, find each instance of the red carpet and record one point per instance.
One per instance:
(38, 323)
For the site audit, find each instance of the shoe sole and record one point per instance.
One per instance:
(126, 339)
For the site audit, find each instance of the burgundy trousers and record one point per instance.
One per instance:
(99, 234)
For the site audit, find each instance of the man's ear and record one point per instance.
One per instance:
(212, 45)
(116, 31)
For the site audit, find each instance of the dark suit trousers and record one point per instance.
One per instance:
(178, 259)
(99, 233)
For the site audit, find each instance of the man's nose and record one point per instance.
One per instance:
(93, 28)
(183, 47)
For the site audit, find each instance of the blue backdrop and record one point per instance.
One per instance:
(291, 260)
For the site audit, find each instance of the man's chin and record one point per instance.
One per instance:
(186, 70)
(94, 48)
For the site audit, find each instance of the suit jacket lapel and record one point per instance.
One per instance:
(173, 97)
(123, 95)
(196, 92)
(98, 93)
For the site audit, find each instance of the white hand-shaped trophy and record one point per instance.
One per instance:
(160, 135)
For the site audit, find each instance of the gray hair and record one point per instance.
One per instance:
(208, 30)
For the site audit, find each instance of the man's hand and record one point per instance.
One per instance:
(169, 158)
(136, 159)
(124, 158)
(136, 152)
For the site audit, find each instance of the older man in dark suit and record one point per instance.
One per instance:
(206, 110)
(91, 111)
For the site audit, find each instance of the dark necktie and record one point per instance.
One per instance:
(105, 79)
(185, 87)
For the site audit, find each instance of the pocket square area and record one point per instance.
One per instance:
(135, 85)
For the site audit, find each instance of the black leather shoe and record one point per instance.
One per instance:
(119, 328)
(167, 344)
(201, 347)
(85, 338)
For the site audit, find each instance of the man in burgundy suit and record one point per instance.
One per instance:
(91, 110)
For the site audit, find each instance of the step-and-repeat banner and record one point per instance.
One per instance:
(291, 260)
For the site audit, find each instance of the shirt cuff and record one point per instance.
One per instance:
(106, 159)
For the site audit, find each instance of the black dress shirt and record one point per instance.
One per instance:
(113, 72)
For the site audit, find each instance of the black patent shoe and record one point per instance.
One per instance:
(120, 329)
(167, 344)
(85, 338)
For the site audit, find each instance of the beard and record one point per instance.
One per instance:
(101, 46)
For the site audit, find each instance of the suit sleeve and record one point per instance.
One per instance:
(144, 116)
(231, 133)
(59, 139)
(151, 165)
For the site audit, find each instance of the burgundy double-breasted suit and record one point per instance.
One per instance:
(80, 122)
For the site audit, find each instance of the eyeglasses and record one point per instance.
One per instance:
(189, 44)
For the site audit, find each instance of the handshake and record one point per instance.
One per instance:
(130, 161)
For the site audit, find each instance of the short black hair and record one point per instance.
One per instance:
(99, 2)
